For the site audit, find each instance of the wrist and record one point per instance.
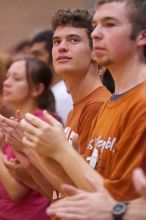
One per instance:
(108, 212)
(136, 210)
(62, 154)
(119, 210)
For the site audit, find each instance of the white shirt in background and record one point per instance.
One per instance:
(63, 100)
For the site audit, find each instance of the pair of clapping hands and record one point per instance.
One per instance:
(31, 132)
(29, 137)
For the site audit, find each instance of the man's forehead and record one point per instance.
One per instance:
(68, 31)
(38, 45)
(110, 10)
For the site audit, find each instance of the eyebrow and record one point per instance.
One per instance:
(16, 74)
(108, 18)
(68, 36)
(36, 51)
(8, 74)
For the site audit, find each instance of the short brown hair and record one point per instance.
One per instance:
(137, 15)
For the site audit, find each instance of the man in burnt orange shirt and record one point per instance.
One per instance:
(74, 61)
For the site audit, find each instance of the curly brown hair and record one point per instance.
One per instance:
(79, 18)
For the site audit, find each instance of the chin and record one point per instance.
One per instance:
(8, 100)
(104, 63)
(62, 71)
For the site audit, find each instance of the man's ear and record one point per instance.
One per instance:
(37, 90)
(141, 38)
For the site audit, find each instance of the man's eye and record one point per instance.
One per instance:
(109, 25)
(74, 40)
(56, 42)
(17, 79)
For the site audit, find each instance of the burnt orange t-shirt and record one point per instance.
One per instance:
(80, 118)
(117, 142)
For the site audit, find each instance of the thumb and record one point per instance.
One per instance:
(19, 115)
(69, 190)
(98, 187)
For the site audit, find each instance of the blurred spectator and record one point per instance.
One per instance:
(41, 46)
(19, 50)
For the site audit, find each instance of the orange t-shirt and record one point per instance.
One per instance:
(80, 118)
(117, 142)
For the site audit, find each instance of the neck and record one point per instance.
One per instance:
(130, 74)
(81, 85)
(28, 106)
(56, 77)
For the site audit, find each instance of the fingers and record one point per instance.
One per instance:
(66, 209)
(3, 128)
(61, 214)
(27, 142)
(139, 181)
(3, 156)
(98, 187)
(32, 125)
(29, 152)
(31, 134)
(69, 190)
(32, 137)
(35, 121)
(50, 119)
(10, 163)
(8, 122)
(19, 115)
(6, 131)
(28, 128)
(23, 160)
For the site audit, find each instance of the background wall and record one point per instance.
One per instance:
(20, 19)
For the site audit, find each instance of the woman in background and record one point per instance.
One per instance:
(26, 89)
